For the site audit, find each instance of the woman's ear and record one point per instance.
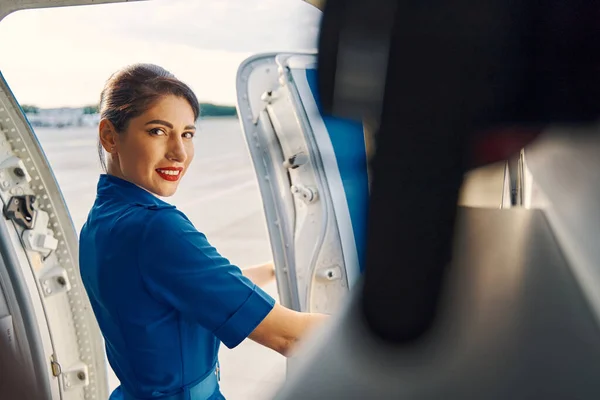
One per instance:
(108, 135)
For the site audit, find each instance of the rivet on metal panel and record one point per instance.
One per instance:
(307, 194)
(55, 281)
(76, 376)
(330, 274)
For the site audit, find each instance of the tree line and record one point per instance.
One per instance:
(206, 110)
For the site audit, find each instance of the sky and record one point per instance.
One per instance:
(61, 57)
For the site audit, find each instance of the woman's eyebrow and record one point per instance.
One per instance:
(160, 121)
(168, 124)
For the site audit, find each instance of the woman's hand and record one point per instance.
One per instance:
(260, 275)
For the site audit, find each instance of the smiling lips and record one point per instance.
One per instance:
(171, 174)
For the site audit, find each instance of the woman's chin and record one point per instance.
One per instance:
(167, 191)
(163, 189)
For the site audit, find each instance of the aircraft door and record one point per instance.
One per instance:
(313, 178)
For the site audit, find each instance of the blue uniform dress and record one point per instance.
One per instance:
(164, 297)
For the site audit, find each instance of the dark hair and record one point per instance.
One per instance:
(131, 91)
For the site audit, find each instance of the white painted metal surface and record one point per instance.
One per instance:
(298, 204)
(58, 330)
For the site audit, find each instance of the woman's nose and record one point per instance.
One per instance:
(176, 151)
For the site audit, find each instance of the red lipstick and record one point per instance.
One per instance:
(170, 174)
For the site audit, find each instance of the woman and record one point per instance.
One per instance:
(164, 298)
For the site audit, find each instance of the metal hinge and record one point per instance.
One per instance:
(307, 194)
(74, 377)
(55, 281)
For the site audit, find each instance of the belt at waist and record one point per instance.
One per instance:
(203, 390)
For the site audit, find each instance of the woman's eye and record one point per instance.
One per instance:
(157, 131)
(188, 135)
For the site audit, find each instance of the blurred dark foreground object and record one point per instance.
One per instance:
(483, 303)
(457, 77)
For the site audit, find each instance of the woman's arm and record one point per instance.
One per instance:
(260, 275)
(282, 328)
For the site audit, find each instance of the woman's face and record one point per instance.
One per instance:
(156, 149)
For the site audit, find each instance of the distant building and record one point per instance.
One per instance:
(86, 116)
(62, 117)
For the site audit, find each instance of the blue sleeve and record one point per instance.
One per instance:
(181, 268)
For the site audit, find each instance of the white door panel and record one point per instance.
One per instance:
(55, 330)
(331, 171)
(310, 173)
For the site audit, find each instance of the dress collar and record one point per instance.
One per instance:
(110, 186)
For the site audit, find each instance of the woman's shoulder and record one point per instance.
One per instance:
(137, 219)
(166, 220)
(168, 229)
